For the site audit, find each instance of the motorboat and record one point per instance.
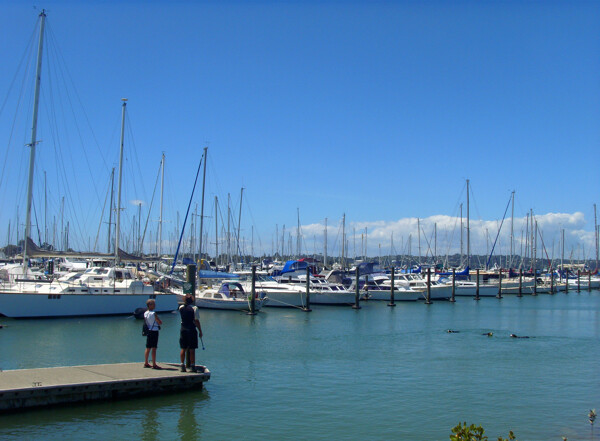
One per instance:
(229, 295)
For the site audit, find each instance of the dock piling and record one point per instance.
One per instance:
(520, 283)
(392, 300)
(253, 294)
(578, 280)
(428, 300)
(307, 307)
(477, 286)
(452, 299)
(499, 295)
(357, 292)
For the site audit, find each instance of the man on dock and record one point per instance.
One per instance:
(188, 339)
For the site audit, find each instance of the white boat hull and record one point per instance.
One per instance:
(32, 305)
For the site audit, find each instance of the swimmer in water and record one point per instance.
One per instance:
(516, 336)
(451, 331)
(489, 334)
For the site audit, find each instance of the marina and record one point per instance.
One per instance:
(356, 214)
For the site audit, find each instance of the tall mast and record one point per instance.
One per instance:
(532, 236)
(110, 207)
(343, 239)
(298, 243)
(240, 222)
(468, 230)
(325, 245)
(461, 235)
(118, 221)
(45, 210)
(512, 229)
(160, 216)
(36, 102)
(596, 234)
(419, 238)
(202, 204)
(216, 232)
(228, 228)
(562, 255)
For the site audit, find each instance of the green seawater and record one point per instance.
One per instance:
(377, 373)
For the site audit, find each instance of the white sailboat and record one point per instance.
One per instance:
(26, 293)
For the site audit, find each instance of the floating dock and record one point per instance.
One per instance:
(27, 388)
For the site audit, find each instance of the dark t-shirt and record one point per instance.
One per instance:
(187, 317)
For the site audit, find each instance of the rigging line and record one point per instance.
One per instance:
(150, 208)
(17, 112)
(134, 149)
(102, 215)
(60, 55)
(58, 69)
(186, 216)
(487, 265)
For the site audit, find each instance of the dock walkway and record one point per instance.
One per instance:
(26, 388)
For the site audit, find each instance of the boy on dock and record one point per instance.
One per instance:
(153, 323)
(188, 339)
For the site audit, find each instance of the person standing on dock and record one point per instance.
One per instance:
(153, 323)
(188, 339)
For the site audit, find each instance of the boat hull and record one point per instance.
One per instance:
(33, 305)
(231, 305)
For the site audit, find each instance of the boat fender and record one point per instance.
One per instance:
(139, 313)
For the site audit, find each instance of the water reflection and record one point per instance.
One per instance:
(187, 426)
(150, 426)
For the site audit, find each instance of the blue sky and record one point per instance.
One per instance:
(379, 110)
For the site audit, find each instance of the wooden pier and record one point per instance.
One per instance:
(27, 388)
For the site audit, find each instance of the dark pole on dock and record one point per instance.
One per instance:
(253, 294)
(578, 280)
(499, 295)
(307, 307)
(392, 300)
(428, 300)
(534, 293)
(357, 290)
(190, 288)
(566, 282)
(589, 280)
(520, 284)
(551, 281)
(452, 299)
(477, 286)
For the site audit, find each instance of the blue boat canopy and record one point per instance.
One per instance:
(294, 265)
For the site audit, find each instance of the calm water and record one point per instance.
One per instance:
(337, 373)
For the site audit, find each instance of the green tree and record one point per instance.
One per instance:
(463, 432)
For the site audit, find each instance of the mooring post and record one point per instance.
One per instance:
(307, 308)
(520, 284)
(189, 287)
(452, 299)
(534, 293)
(566, 282)
(578, 280)
(477, 286)
(357, 293)
(589, 280)
(551, 281)
(253, 294)
(428, 300)
(392, 300)
(499, 295)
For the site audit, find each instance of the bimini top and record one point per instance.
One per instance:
(294, 265)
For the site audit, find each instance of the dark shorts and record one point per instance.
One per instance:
(152, 339)
(188, 339)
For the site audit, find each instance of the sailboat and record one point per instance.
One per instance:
(28, 293)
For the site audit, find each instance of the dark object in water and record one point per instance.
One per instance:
(516, 336)
(139, 313)
(451, 331)
(489, 334)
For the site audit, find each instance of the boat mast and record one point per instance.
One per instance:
(110, 207)
(461, 236)
(325, 245)
(512, 229)
(596, 234)
(36, 102)
(118, 221)
(298, 243)
(468, 230)
(240, 223)
(419, 238)
(202, 205)
(343, 239)
(160, 216)
(228, 229)
(216, 233)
